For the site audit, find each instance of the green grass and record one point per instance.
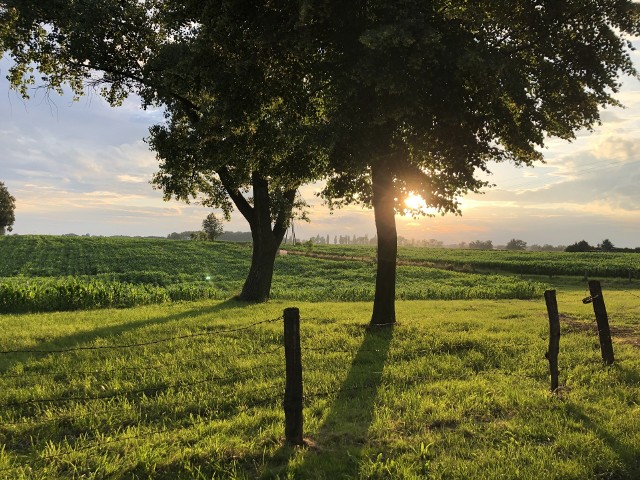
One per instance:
(123, 258)
(47, 273)
(458, 389)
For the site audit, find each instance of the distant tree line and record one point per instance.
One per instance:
(365, 240)
(513, 244)
(226, 236)
(605, 246)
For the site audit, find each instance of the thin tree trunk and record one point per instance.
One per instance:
(384, 212)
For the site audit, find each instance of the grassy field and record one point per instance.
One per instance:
(458, 389)
(181, 390)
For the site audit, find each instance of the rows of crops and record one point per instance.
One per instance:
(42, 294)
(601, 264)
(47, 273)
(48, 256)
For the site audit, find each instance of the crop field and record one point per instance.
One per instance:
(43, 273)
(596, 264)
(177, 388)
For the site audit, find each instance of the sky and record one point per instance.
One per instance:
(83, 167)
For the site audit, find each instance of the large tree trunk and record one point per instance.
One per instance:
(384, 212)
(266, 238)
(2, 231)
(257, 286)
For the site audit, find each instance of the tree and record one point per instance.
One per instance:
(241, 112)
(180, 235)
(581, 246)
(481, 245)
(212, 226)
(199, 236)
(606, 245)
(422, 95)
(515, 244)
(7, 210)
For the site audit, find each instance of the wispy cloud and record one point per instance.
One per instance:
(84, 167)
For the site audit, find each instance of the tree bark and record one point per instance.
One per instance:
(266, 238)
(257, 286)
(384, 213)
(2, 230)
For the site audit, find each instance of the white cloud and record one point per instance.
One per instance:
(83, 167)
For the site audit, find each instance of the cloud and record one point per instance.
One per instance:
(131, 179)
(84, 167)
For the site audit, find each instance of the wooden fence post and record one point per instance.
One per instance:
(293, 385)
(606, 347)
(554, 337)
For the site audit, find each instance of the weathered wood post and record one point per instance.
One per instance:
(293, 385)
(604, 333)
(554, 337)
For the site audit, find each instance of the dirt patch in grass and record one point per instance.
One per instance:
(626, 335)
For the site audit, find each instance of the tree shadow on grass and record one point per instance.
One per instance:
(69, 427)
(86, 337)
(336, 450)
(626, 450)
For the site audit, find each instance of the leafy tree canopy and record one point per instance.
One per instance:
(581, 246)
(212, 226)
(7, 209)
(435, 90)
(516, 244)
(228, 74)
(243, 119)
(606, 245)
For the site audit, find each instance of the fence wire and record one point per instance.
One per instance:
(140, 344)
(131, 393)
(150, 367)
(275, 391)
(234, 377)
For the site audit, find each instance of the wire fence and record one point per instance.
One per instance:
(100, 443)
(139, 406)
(96, 427)
(140, 344)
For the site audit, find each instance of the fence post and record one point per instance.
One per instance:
(554, 336)
(606, 347)
(293, 385)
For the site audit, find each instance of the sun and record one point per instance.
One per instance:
(415, 202)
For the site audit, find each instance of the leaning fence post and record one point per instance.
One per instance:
(293, 385)
(554, 336)
(606, 347)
